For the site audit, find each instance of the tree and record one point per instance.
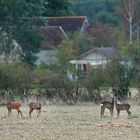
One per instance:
(80, 43)
(119, 76)
(70, 49)
(58, 8)
(65, 53)
(97, 10)
(16, 24)
(94, 82)
(107, 18)
(130, 13)
(133, 51)
(74, 46)
(16, 78)
(102, 35)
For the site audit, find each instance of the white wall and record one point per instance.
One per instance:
(47, 57)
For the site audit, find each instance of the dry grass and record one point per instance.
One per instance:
(69, 123)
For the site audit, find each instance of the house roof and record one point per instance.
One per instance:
(58, 27)
(53, 35)
(108, 52)
(68, 23)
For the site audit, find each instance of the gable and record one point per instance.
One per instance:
(68, 23)
(105, 52)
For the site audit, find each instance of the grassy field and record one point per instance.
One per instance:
(69, 123)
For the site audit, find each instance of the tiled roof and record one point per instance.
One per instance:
(59, 27)
(68, 23)
(53, 35)
(108, 52)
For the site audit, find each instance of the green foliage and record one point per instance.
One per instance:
(133, 51)
(59, 86)
(58, 8)
(94, 82)
(15, 78)
(119, 76)
(106, 17)
(80, 43)
(66, 52)
(69, 49)
(30, 42)
(15, 24)
(17, 20)
(97, 10)
(4, 80)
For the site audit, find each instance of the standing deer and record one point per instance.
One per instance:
(14, 105)
(122, 107)
(108, 105)
(35, 105)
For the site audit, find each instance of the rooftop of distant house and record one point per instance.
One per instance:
(108, 52)
(68, 23)
(53, 35)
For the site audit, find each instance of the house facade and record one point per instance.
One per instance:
(56, 31)
(95, 57)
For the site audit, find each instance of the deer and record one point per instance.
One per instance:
(108, 105)
(122, 107)
(35, 105)
(14, 105)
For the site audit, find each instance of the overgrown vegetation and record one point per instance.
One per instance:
(61, 80)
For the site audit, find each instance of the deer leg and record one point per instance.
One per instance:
(118, 113)
(19, 111)
(102, 111)
(129, 113)
(31, 110)
(39, 112)
(111, 112)
(9, 112)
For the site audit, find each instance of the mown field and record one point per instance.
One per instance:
(69, 123)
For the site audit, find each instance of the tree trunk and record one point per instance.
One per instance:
(130, 31)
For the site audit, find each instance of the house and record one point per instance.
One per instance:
(58, 29)
(65, 26)
(46, 57)
(95, 57)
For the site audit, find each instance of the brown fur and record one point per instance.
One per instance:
(35, 105)
(13, 105)
(121, 107)
(108, 105)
